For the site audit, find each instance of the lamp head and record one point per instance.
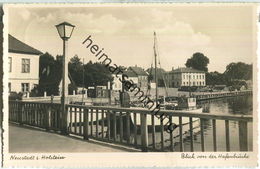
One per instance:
(65, 30)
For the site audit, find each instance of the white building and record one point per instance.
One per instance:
(134, 74)
(186, 77)
(116, 84)
(23, 62)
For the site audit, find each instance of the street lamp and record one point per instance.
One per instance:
(65, 30)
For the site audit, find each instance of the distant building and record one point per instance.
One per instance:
(23, 66)
(116, 84)
(186, 77)
(135, 74)
(142, 77)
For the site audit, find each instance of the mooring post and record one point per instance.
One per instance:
(144, 133)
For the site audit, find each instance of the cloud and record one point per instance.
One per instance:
(45, 19)
(104, 24)
(25, 14)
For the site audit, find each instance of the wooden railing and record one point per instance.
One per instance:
(137, 128)
(43, 115)
(213, 95)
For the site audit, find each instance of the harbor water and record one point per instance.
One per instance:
(232, 105)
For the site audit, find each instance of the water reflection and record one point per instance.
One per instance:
(231, 105)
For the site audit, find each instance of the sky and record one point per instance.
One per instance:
(223, 33)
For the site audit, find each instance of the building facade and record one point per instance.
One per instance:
(135, 74)
(116, 84)
(186, 77)
(23, 66)
(140, 77)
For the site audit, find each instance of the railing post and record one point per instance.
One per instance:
(47, 118)
(20, 113)
(86, 124)
(52, 97)
(144, 132)
(64, 129)
(243, 144)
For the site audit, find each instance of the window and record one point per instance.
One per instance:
(25, 87)
(10, 64)
(25, 65)
(197, 76)
(202, 76)
(183, 76)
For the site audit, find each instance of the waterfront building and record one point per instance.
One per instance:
(139, 77)
(186, 77)
(135, 74)
(116, 84)
(23, 66)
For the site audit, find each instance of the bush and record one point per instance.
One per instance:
(15, 96)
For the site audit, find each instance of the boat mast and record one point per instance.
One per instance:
(155, 71)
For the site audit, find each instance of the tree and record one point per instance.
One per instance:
(96, 74)
(239, 70)
(160, 75)
(49, 74)
(215, 78)
(198, 61)
(76, 70)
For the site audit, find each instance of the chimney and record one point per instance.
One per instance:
(172, 68)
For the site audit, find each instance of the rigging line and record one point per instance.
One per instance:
(150, 73)
(159, 62)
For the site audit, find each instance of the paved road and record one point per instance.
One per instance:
(24, 139)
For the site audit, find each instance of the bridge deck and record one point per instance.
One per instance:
(25, 140)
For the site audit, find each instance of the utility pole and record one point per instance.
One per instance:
(83, 86)
(155, 72)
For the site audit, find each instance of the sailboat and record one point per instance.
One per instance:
(185, 104)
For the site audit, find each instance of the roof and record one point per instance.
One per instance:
(130, 73)
(186, 70)
(138, 71)
(160, 73)
(17, 46)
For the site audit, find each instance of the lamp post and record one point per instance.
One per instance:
(65, 30)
